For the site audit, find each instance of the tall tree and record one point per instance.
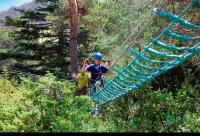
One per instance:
(39, 46)
(42, 38)
(73, 8)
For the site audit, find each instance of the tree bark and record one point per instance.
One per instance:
(73, 36)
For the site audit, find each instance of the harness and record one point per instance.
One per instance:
(98, 74)
(94, 81)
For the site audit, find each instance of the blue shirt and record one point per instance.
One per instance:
(96, 71)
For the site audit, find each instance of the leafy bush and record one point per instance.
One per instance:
(157, 111)
(48, 105)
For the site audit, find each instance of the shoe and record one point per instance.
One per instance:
(94, 113)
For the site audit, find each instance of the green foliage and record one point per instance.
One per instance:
(41, 38)
(46, 106)
(10, 103)
(161, 111)
(4, 35)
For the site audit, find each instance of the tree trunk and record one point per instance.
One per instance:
(73, 37)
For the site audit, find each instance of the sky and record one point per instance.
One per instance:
(6, 4)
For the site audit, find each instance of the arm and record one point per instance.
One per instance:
(109, 63)
(84, 66)
(107, 68)
(76, 79)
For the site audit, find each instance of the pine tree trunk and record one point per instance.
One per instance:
(73, 37)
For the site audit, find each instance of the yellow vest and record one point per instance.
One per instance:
(83, 80)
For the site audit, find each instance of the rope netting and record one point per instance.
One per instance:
(143, 68)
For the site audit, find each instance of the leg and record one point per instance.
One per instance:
(84, 91)
(92, 87)
(77, 93)
(101, 83)
(95, 105)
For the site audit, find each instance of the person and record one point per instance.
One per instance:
(82, 80)
(97, 69)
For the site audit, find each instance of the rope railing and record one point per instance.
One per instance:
(140, 24)
(142, 27)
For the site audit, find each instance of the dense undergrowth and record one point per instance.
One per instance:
(45, 106)
(50, 106)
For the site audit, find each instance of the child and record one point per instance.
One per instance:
(97, 69)
(82, 80)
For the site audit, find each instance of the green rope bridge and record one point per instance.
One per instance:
(130, 78)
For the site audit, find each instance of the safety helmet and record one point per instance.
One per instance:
(97, 56)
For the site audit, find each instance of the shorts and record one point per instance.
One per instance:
(82, 91)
